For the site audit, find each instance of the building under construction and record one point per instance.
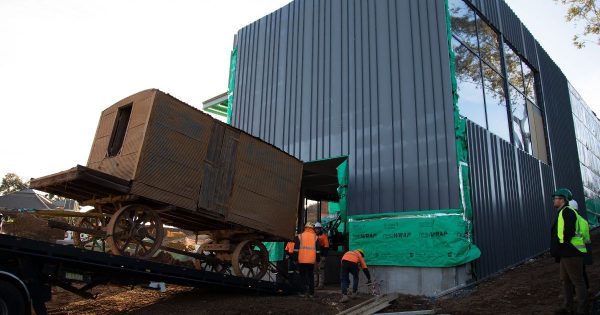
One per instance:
(452, 124)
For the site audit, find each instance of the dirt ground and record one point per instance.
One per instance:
(531, 288)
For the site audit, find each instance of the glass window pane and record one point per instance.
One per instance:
(495, 101)
(520, 120)
(513, 68)
(489, 47)
(468, 77)
(538, 138)
(463, 23)
(529, 83)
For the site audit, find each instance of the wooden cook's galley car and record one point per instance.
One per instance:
(156, 160)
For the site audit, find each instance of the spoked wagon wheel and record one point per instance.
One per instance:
(135, 230)
(210, 263)
(250, 259)
(89, 241)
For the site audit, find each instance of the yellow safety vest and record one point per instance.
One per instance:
(582, 234)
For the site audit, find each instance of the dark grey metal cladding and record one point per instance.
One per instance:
(561, 129)
(553, 94)
(511, 209)
(363, 78)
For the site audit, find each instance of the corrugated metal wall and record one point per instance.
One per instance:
(511, 202)
(363, 78)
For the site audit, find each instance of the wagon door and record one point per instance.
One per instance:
(219, 170)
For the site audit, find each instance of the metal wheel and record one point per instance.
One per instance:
(135, 230)
(210, 263)
(88, 241)
(250, 259)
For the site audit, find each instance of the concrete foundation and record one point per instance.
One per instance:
(418, 280)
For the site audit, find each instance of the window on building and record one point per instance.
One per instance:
(483, 75)
(119, 130)
(481, 92)
(527, 116)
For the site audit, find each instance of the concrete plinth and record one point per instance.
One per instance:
(418, 280)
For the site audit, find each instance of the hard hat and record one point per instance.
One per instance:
(573, 204)
(309, 225)
(563, 192)
(361, 251)
(318, 225)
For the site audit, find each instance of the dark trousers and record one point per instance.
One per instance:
(307, 274)
(571, 276)
(347, 269)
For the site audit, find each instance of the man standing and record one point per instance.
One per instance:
(320, 267)
(350, 263)
(568, 248)
(306, 251)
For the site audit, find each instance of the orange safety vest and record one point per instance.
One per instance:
(289, 247)
(307, 253)
(355, 257)
(324, 240)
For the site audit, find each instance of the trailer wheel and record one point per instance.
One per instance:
(88, 241)
(250, 259)
(12, 300)
(135, 230)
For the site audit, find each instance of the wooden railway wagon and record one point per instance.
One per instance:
(156, 160)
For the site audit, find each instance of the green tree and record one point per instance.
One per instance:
(11, 183)
(588, 12)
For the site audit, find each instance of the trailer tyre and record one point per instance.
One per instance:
(12, 300)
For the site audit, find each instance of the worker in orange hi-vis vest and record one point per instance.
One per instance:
(320, 267)
(307, 254)
(350, 263)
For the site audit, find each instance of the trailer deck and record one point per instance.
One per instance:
(34, 266)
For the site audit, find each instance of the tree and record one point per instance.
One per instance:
(588, 12)
(11, 183)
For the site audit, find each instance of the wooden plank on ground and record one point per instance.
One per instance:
(371, 306)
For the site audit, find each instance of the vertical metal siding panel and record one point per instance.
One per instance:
(290, 87)
(395, 101)
(421, 131)
(352, 103)
(436, 42)
(280, 99)
(410, 180)
(530, 48)
(271, 82)
(296, 85)
(384, 109)
(263, 121)
(303, 120)
(335, 125)
(366, 109)
(344, 78)
(428, 27)
(450, 141)
(312, 124)
(373, 109)
(327, 81)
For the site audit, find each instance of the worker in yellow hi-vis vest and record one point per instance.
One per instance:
(567, 245)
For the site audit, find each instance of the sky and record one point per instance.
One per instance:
(64, 61)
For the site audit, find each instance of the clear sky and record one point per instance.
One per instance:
(63, 61)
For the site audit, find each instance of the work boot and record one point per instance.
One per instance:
(354, 295)
(344, 299)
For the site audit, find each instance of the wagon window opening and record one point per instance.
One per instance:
(119, 130)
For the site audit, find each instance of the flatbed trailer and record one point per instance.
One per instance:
(29, 268)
